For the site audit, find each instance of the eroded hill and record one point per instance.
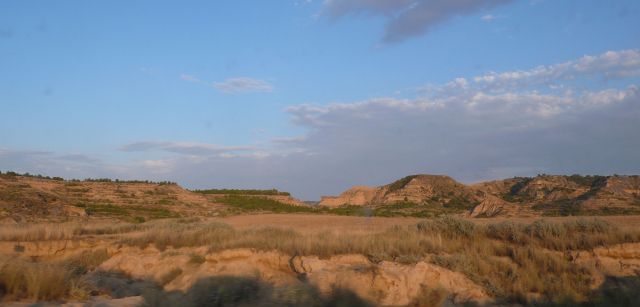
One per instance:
(25, 198)
(425, 195)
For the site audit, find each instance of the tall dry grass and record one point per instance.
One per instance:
(70, 230)
(513, 262)
(36, 281)
(51, 280)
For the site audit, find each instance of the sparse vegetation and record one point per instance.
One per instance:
(255, 203)
(28, 232)
(399, 184)
(16, 174)
(589, 181)
(535, 252)
(53, 280)
(514, 194)
(36, 281)
(242, 192)
(130, 212)
(515, 263)
(196, 259)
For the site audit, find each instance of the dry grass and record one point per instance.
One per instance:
(36, 281)
(28, 232)
(514, 262)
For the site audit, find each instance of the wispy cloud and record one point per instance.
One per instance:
(187, 148)
(243, 85)
(190, 78)
(488, 18)
(611, 64)
(233, 85)
(408, 18)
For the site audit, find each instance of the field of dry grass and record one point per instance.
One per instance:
(363, 224)
(515, 261)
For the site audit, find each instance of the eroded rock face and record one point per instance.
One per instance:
(356, 196)
(421, 188)
(521, 196)
(493, 206)
(385, 283)
(417, 189)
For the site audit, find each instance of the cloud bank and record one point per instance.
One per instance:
(581, 116)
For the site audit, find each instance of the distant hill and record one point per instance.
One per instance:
(426, 195)
(33, 197)
(28, 198)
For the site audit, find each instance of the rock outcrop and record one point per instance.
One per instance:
(356, 196)
(385, 283)
(418, 189)
(519, 196)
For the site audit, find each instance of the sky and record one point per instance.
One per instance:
(312, 96)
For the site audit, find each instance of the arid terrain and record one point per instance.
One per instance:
(126, 243)
(33, 198)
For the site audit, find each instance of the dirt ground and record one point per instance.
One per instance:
(355, 224)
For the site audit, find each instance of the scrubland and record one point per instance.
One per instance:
(539, 263)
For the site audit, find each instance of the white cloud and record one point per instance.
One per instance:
(190, 78)
(551, 119)
(611, 64)
(243, 85)
(488, 18)
(233, 85)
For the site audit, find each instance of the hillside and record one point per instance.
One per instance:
(419, 195)
(27, 198)
(30, 198)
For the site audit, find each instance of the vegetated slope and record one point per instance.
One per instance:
(25, 198)
(425, 195)
(419, 189)
(570, 195)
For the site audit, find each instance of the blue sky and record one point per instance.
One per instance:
(315, 96)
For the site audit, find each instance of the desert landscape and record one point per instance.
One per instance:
(423, 240)
(319, 153)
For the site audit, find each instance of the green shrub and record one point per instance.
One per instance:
(242, 192)
(196, 259)
(448, 226)
(399, 184)
(253, 203)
